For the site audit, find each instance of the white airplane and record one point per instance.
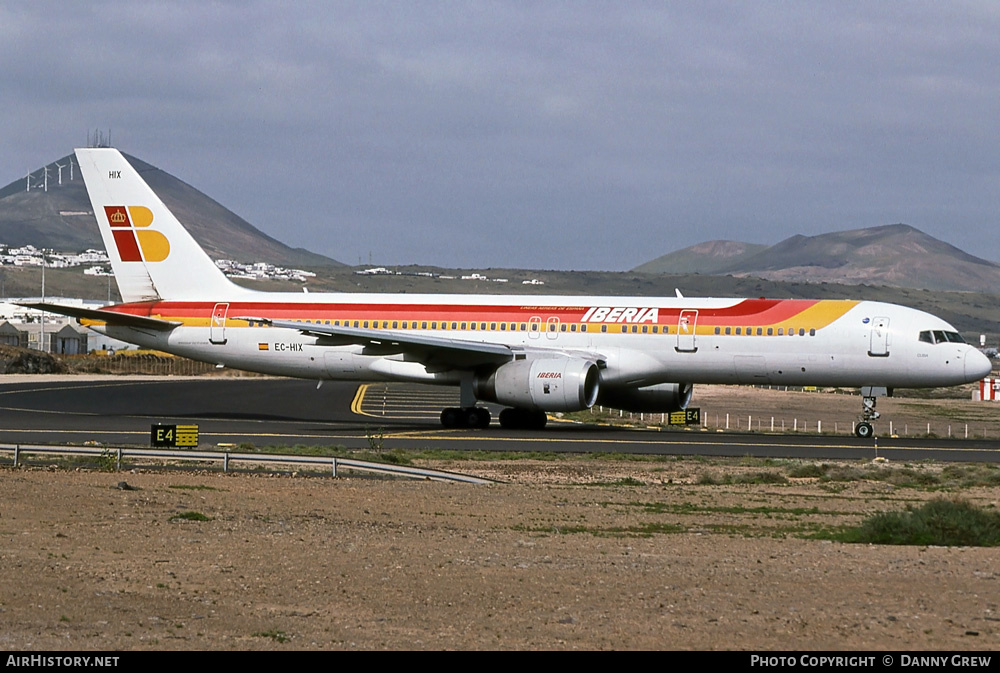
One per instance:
(532, 354)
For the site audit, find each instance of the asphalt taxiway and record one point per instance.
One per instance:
(233, 411)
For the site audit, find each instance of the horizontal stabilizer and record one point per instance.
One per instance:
(109, 317)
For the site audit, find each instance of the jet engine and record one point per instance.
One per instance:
(544, 384)
(661, 398)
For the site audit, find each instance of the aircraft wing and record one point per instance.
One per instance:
(109, 317)
(433, 351)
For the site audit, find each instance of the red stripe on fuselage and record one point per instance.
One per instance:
(748, 312)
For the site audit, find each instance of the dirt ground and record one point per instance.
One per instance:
(567, 554)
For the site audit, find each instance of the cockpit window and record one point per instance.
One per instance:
(940, 337)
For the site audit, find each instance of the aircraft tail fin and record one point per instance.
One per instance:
(152, 255)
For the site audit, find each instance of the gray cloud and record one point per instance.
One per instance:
(560, 135)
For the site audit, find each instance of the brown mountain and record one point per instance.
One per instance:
(61, 217)
(709, 257)
(897, 255)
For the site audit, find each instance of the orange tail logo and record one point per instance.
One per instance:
(134, 241)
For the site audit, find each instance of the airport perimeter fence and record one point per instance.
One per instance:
(984, 423)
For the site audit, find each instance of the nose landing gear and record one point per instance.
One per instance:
(869, 395)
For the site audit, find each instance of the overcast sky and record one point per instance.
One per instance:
(567, 135)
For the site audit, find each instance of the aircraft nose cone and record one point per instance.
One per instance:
(977, 365)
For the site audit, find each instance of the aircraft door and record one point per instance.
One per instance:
(686, 323)
(879, 338)
(217, 328)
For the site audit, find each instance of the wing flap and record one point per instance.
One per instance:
(429, 350)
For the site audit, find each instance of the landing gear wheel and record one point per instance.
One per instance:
(538, 420)
(452, 417)
(523, 419)
(470, 417)
(477, 417)
(864, 430)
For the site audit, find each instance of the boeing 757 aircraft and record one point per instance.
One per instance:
(531, 354)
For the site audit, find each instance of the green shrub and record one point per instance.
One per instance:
(952, 523)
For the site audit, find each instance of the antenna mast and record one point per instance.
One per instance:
(98, 139)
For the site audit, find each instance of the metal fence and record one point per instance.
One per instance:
(114, 458)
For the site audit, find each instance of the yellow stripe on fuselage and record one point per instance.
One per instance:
(820, 315)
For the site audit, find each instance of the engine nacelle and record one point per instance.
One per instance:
(661, 398)
(544, 384)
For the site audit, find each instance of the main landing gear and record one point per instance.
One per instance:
(479, 417)
(869, 395)
(468, 417)
(471, 416)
